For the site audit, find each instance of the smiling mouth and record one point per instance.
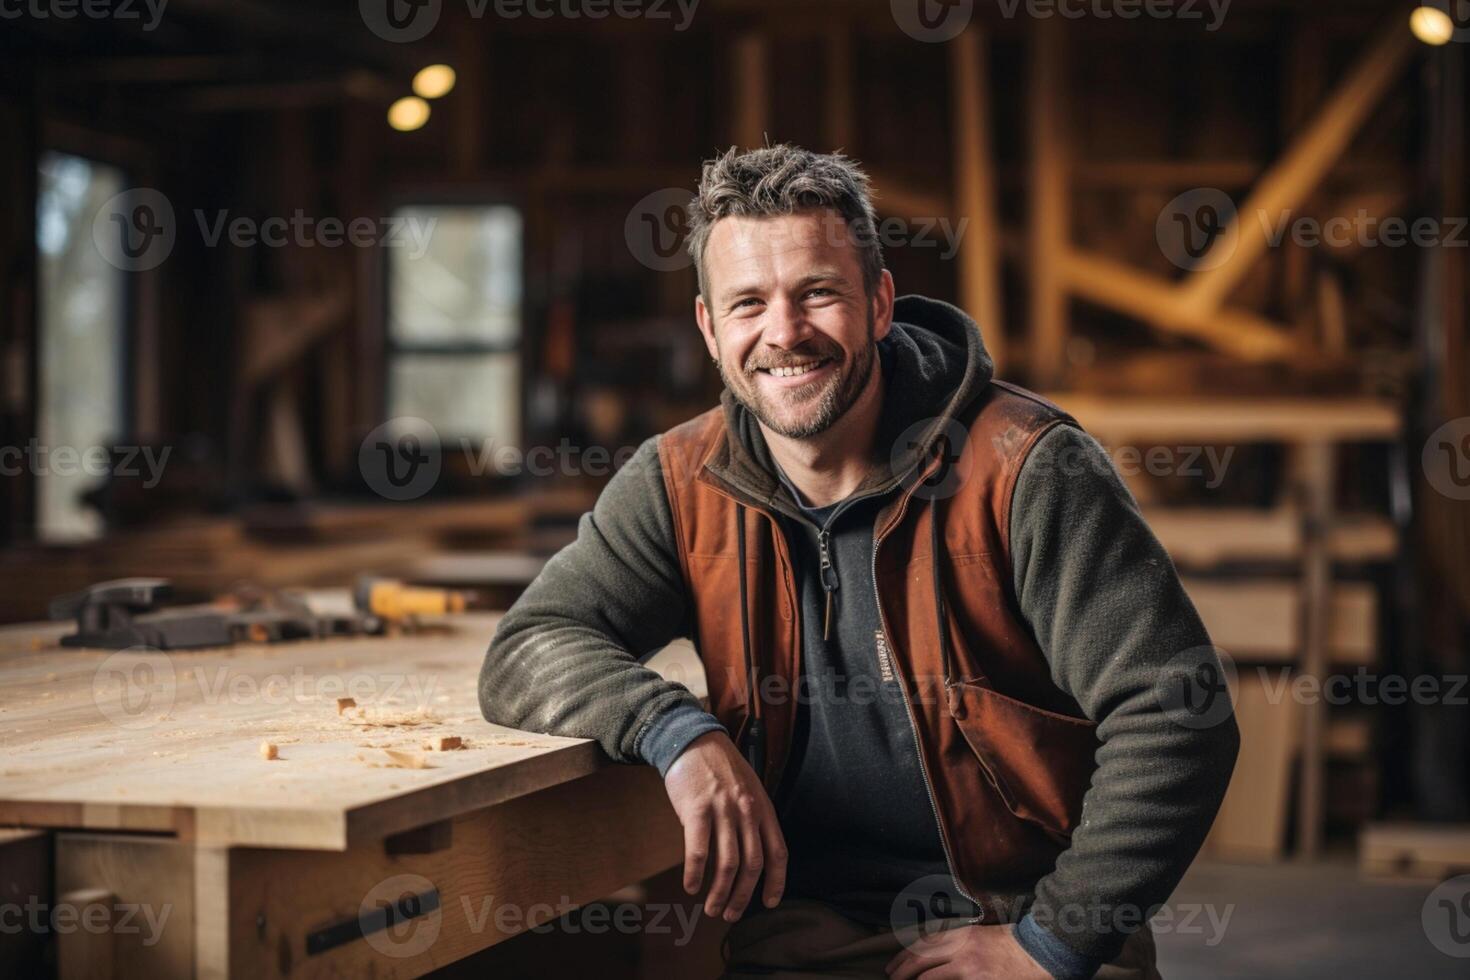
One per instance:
(795, 370)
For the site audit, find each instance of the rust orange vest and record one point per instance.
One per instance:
(1005, 753)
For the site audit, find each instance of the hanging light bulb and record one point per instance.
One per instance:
(408, 113)
(1431, 25)
(433, 81)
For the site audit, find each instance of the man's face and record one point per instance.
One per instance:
(788, 319)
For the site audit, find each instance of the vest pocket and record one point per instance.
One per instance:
(1040, 762)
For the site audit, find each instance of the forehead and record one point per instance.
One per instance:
(778, 245)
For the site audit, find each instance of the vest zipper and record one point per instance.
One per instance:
(914, 725)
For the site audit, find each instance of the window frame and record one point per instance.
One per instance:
(131, 162)
(390, 348)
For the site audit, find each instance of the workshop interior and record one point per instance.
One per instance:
(325, 324)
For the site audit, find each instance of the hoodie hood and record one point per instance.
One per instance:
(934, 365)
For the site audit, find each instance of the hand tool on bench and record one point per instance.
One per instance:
(399, 603)
(119, 614)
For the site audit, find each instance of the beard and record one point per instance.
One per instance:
(810, 409)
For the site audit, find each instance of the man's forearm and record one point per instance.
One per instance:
(567, 657)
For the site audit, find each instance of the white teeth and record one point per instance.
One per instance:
(792, 372)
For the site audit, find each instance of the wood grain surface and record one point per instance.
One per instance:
(171, 742)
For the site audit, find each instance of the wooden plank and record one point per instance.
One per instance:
(1315, 465)
(1267, 419)
(1304, 73)
(897, 197)
(220, 912)
(1201, 537)
(26, 882)
(1225, 174)
(1261, 619)
(1332, 324)
(1300, 170)
(1158, 302)
(477, 568)
(750, 92)
(974, 165)
(841, 116)
(1350, 737)
(1432, 852)
(85, 947)
(1251, 824)
(152, 886)
(1049, 216)
(103, 740)
(510, 867)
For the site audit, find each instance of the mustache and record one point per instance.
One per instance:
(763, 362)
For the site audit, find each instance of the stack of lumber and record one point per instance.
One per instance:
(1265, 586)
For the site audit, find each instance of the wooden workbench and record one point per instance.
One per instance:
(147, 768)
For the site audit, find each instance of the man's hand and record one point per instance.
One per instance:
(729, 823)
(966, 953)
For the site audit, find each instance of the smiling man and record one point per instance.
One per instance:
(933, 623)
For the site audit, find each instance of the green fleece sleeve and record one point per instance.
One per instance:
(1106, 606)
(566, 659)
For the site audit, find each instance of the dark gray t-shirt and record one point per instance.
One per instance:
(859, 825)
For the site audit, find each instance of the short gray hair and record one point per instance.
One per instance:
(785, 179)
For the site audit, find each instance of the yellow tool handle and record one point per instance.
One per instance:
(392, 600)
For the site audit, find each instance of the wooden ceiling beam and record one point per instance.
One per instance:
(1292, 178)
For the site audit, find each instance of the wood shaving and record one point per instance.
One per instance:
(383, 719)
(395, 760)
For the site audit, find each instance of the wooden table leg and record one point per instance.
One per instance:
(1315, 470)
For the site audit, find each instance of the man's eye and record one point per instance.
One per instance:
(820, 291)
(749, 300)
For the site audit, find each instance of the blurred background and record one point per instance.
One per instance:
(292, 291)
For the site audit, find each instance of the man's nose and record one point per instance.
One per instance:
(786, 325)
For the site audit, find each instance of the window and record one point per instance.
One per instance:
(454, 320)
(83, 317)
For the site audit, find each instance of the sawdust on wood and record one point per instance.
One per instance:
(396, 759)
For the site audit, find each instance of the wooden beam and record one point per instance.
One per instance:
(841, 120)
(751, 94)
(895, 196)
(1182, 174)
(1251, 824)
(974, 194)
(1433, 852)
(1260, 620)
(1374, 204)
(1331, 314)
(1295, 175)
(1156, 301)
(1204, 537)
(1119, 420)
(1049, 234)
(1315, 469)
(85, 951)
(1304, 68)
(468, 136)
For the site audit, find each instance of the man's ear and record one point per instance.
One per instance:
(706, 326)
(883, 305)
